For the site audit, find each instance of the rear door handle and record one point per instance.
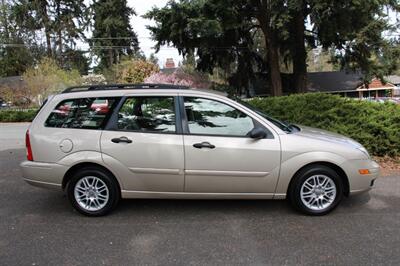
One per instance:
(207, 145)
(121, 139)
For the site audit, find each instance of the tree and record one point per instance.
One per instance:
(320, 60)
(70, 21)
(214, 31)
(113, 36)
(355, 29)
(34, 16)
(153, 58)
(295, 44)
(76, 59)
(14, 60)
(62, 21)
(15, 57)
(352, 28)
(47, 78)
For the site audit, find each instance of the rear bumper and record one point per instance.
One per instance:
(359, 183)
(45, 175)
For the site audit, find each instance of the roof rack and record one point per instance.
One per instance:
(122, 87)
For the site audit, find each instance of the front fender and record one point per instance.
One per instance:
(295, 163)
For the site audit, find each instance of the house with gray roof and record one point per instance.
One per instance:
(348, 84)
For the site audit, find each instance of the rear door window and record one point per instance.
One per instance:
(148, 114)
(85, 113)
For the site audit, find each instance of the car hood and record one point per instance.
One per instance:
(324, 135)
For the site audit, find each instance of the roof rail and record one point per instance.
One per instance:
(122, 87)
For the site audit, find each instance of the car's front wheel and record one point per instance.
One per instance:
(93, 192)
(316, 190)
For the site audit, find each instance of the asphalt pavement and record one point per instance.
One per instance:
(12, 135)
(39, 227)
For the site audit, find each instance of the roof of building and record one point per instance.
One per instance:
(333, 81)
(168, 70)
(394, 79)
(12, 82)
(376, 84)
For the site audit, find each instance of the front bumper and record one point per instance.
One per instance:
(359, 183)
(45, 175)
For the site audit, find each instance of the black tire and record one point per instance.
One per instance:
(114, 193)
(294, 191)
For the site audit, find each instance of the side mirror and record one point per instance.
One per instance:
(257, 133)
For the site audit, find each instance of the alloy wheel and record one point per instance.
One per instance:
(91, 193)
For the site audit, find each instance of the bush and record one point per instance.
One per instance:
(374, 125)
(48, 78)
(93, 79)
(17, 116)
(133, 71)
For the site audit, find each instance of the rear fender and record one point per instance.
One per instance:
(92, 157)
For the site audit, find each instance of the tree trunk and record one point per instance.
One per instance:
(274, 68)
(46, 25)
(299, 53)
(5, 19)
(272, 47)
(273, 62)
(110, 57)
(59, 33)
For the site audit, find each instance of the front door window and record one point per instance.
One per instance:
(210, 117)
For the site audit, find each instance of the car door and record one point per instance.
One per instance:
(219, 155)
(143, 137)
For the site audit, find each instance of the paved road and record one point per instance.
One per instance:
(38, 227)
(12, 135)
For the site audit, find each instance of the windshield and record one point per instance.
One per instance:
(282, 125)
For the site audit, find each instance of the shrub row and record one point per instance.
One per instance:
(374, 125)
(17, 116)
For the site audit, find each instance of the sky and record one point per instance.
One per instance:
(139, 26)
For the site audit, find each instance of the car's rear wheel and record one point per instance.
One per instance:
(93, 192)
(316, 190)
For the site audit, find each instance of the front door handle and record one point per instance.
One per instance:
(203, 145)
(121, 139)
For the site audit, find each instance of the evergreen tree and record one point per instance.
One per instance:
(15, 57)
(62, 21)
(231, 31)
(70, 21)
(113, 36)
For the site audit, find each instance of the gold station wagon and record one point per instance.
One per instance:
(102, 143)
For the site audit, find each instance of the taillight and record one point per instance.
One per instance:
(29, 155)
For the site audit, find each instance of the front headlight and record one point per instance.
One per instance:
(364, 150)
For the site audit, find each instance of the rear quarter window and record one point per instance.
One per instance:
(84, 113)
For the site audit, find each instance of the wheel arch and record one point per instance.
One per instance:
(71, 171)
(342, 174)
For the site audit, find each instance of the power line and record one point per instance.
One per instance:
(118, 38)
(125, 47)
(91, 47)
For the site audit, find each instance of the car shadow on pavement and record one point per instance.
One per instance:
(203, 206)
(242, 207)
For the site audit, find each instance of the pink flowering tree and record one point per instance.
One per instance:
(179, 77)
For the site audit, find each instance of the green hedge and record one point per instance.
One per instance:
(17, 116)
(374, 125)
